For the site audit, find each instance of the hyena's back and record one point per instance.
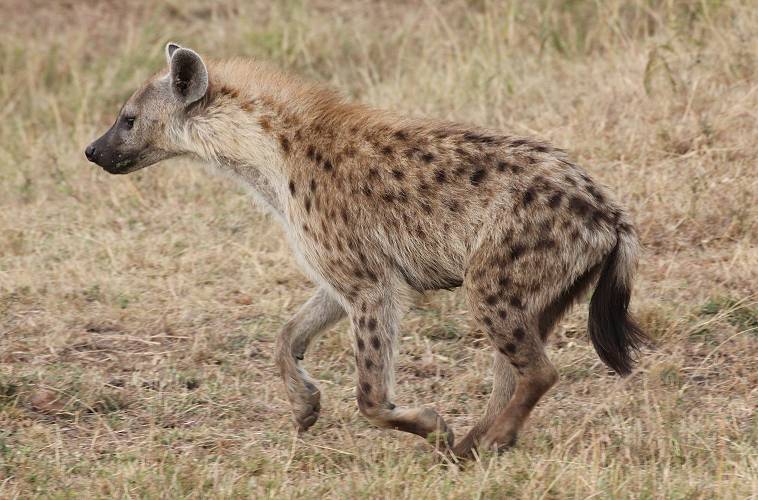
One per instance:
(416, 198)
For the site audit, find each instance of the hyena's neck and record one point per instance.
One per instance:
(261, 136)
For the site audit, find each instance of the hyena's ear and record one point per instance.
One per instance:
(170, 49)
(187, 73)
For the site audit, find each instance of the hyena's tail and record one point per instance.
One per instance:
(613, 331)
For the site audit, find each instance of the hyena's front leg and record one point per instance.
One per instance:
(375, 329)
(319, 313)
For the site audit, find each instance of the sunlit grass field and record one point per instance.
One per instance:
(138, 313)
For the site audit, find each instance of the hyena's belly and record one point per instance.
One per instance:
(429, 263)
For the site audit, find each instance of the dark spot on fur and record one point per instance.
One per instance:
(369, 364)
(453, 205)
(426, 207)
(373, 173)
(376, 343)
(310, 152)
(439, 176)
(388, 197)
(518, 142)
(597, 195)
(517, 250)
(579, 205)
(265, 123)
(504, 282)
(510, 347)
(555, 199)
(371, 275)
(427, 157)
(491, 299)
(528, 196)
(478, 176)
(284, 143)
(229, 91)
(502, 313)
(401, 135)
(544, 244)
(328, 165)
(479, 138)
(366, 388)
(366, 190)
(387, 151)
(307, 204)
(487, 320)
(518, 334)
(398, 174)
(361, 344)
(516, 302)
(371, 324)
(292, 188)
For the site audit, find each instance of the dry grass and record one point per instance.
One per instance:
(138, 314)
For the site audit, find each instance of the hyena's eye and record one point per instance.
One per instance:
(129, 122)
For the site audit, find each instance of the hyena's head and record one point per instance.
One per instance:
(146, 130)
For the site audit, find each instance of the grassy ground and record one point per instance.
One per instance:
(138, 314)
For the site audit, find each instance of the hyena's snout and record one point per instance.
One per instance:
(106, 153)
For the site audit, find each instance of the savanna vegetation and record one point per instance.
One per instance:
(138, 314)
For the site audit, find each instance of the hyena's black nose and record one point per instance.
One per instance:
(90, 152)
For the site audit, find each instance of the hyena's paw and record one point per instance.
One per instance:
(479, 444)
(423, 422)
(306, 406)
(464, 450)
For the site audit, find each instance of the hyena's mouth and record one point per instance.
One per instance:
(122, 167)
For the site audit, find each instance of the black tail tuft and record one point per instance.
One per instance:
(614, 333)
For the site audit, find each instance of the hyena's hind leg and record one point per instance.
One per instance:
(316, 315)
(503, 386)
(512, 326)
(518, 286)
(375, 317)
(504, 375)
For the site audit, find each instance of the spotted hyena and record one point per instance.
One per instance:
(375, 204)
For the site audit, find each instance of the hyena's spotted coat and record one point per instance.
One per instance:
(374, 204)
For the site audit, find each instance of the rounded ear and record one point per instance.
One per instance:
(188, 74)
(170, 49)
